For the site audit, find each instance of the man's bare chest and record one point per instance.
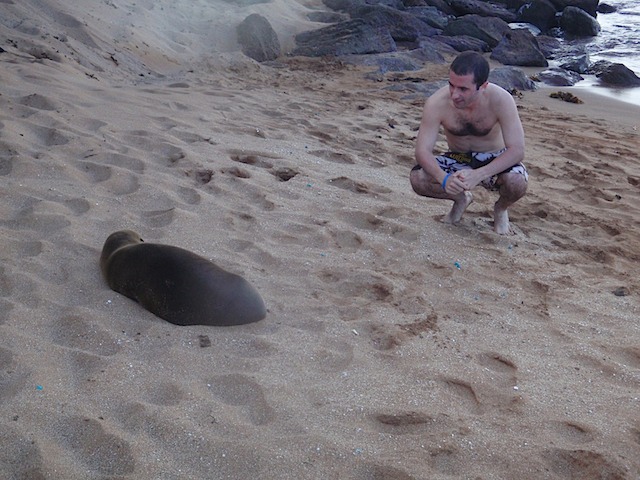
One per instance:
(469, 125)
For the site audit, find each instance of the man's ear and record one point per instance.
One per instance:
(484, 85)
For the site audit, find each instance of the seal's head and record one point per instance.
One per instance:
(115, 241)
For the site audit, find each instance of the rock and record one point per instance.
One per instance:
(402, 26)
(621, 292)
(243, 3)
(484, 9)
(576, 22)
(487, 29)
(578, 64)
(519, 47)
(258, 39)
(606, 8)
(541, 13)
(462, 43)
(441, 5)
(589, 6)
(548, 45)
(430, 15)
(511, 78)
(559, 77)
(327, 17)
(344, 38)
(387, 62)
(614, 74)
(436, 45)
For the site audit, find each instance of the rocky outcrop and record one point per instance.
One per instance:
(559, 77)
(488, 29)
(402, 26)
(258, 38)
(519, 47)
(344, 38)
(541, 13)
(511, 78)
(615, 74)
(576, 22)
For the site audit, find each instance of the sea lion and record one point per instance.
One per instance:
(177, 285)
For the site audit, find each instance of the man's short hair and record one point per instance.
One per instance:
(471, 63)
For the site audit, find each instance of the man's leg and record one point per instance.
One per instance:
(512, 187)
(426, 186)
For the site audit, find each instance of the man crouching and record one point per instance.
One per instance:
(485, 140)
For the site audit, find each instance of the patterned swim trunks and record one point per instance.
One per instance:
(453, 161)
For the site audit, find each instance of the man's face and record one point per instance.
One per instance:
(463, 90)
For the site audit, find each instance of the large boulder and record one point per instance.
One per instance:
(482, 8)
(541, 13)
(615, 74)
(463, 43)
(548, 45)
(519, 47)
(511, 78)
(589, 6)
(430, 15)
(487, 29)
(258, 39)
(402, 26)
(577, 63)
(559, 77)
(575, 22)
(344, 38)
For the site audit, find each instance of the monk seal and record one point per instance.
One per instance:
(177, 285)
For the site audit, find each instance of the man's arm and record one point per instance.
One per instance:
(427, 138)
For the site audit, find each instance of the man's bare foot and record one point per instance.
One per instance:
(501, 222)
(459, 206)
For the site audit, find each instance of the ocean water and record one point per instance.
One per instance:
(618, 41)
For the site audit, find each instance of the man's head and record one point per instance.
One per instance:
(471, 63)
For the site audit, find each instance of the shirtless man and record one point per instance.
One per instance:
(485, 138)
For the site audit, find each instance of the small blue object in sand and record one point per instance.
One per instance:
(39, 387)
(457, 264)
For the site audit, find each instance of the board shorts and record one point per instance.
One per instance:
(451, 162)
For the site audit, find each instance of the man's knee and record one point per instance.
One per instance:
(417, 178)
(513, 185)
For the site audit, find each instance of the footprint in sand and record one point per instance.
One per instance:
(13, 378)
(73, 331)
(583, 464)
(242, 391)
(20, 457)
(116, 180)
(100, 451)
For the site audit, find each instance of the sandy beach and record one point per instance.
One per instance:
(395, 346)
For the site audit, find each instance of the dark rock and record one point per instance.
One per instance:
(511, 78)
(548, 45)
(576, 22)
(463, 43)
(350, 5)
(484, 9)
(441, 5)
(344, 38)
(430, 15)
(559, 77)
(327, 17)
(402, 26)
(515, 5)
(614, 74)
(387, 62)
(258, 39)
(621, 292)
(243, 3)
(606, 8)
(578, 64)
(541, 13)
(487, 29)
(519, 47)
(436, 45)
(589, 6)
